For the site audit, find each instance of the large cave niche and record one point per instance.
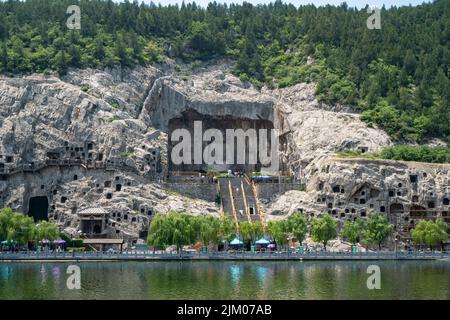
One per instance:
(186, 121)
(395, 212)
(38, 208)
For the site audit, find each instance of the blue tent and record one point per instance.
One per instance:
(263, 241)
(236, 242)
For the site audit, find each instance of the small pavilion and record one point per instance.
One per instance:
(93, 221)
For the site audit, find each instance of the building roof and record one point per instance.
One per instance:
(90, 211)
(103, 241)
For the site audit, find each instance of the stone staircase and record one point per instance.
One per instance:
(245, 207)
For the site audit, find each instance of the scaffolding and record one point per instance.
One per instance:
(230, 190)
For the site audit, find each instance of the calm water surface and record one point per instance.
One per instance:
(226, 280)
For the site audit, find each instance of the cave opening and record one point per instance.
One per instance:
(38, 208)
(221, 123)
(143, 234)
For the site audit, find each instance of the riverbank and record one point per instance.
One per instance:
(214, 256)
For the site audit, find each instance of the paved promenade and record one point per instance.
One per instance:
(246, 256)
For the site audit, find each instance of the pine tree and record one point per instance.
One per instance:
(61, 62)
(4, 57)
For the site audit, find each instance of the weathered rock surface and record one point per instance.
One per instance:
(351, 188)
(100, 138)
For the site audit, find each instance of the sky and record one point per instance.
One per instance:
(351, 3)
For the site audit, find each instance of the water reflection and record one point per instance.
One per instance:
(235, 273)
(226, 280)
(261, 275)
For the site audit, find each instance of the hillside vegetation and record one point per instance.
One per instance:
(398, 76)
(404, 153)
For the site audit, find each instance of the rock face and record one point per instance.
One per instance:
(211, 92)
(78, 142)
(349, 188)
(319, 129)
(100, 139)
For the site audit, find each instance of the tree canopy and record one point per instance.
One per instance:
(353, 231)
(323, 229)
(378, 229)
(430, 232)
(297, 226)
(22, 229)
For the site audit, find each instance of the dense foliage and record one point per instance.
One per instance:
(398, 77)
(372, 231)
(403, 152)
(295, 226)
(323, 229)
(417, 153)
(377, 229)
(353, 231)
(182, 229)
(430, 232)
(16, 226)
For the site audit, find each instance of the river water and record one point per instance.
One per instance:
(227, 280)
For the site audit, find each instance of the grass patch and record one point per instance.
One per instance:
(402, 153)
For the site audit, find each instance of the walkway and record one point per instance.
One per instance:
(291, 256)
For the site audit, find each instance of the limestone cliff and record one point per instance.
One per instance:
(100, 138)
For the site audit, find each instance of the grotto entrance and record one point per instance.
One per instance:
(93, 221)
(38, 208)
(188, 121)
(395, 210)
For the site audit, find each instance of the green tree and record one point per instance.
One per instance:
(298, 226)
(22, 229)
(226, 228)
(353, 231)
(378, 229)
(429, 232)
(61, 62)
(4, 58)
(122, 52)
(419, 232)
(45, 230)
(171, 229)
(209, 230)
(279, 230)
(250, 231)
(182, 229)
(202, 39)
(158, 233)
(323, 229)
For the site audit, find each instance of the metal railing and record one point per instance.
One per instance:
(241, 255)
